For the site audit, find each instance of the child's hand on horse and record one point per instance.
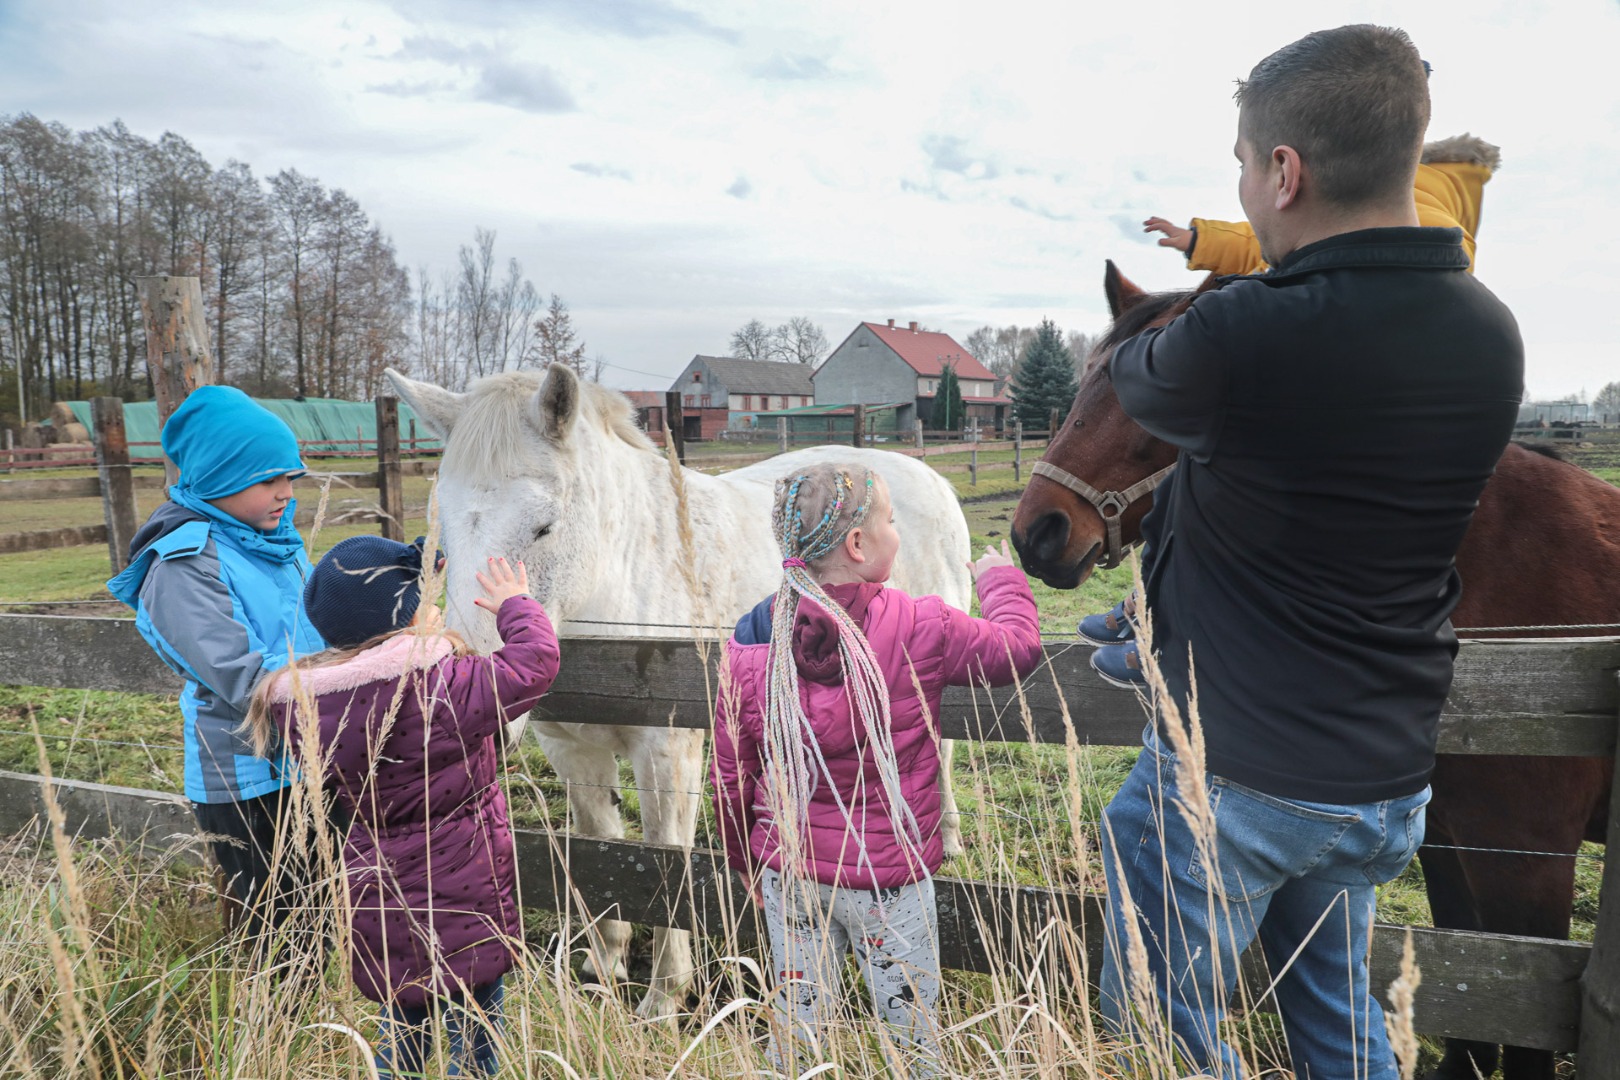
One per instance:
(990, 560)
(501, 583)
(1174, 235)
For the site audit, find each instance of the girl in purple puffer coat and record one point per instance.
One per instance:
(826, 754)
(403, 731)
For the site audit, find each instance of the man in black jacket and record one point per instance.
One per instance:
(1337, 417)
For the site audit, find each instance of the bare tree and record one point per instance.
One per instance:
(296, 200)
(799, 341)
(1608, 399)
(752, 341)
(555, 341)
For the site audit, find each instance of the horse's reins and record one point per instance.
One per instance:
(1110, 505)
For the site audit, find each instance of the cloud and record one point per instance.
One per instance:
(1021, 203)
(533, 89)
(950, 153)
(405, 89)
(442, 50)
(639, 19)
(591, 168)
(740, 188)
(792, 66)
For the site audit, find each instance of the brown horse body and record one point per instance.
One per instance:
(1543, 550)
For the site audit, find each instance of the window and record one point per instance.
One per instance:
(706, 402)
(689, 400)
(697, 376)
(747, 402)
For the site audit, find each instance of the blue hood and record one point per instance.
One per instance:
(222, 441)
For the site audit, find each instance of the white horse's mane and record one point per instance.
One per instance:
(499, 412)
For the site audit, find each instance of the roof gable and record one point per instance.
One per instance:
(927, 352)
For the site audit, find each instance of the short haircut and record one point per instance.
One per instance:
(1354, 102)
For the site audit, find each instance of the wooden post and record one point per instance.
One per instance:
(8, 450)
(858, 429)
(390, 485)
(973, 461)
(917, 431)
(413, 435)
(781, 434)
(177, 356)
(1051, 428)
(1599, 1051)
(117, 487)
(1018, 450)
(675, 423)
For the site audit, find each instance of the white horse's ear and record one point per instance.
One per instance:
(557, 402)
(437, 407)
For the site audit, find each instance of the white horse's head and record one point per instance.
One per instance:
(527, 473)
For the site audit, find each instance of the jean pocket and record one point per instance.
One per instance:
(1262, 841)
(1403, 841)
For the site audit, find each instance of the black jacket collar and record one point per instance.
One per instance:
(1411, 247)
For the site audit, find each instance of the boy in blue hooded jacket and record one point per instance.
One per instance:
(216, 578)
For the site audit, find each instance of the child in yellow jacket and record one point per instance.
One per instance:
(1448, 190)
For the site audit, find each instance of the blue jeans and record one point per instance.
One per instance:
(1300, 875)
(405, 1040)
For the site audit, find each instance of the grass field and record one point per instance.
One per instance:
(1015, 798)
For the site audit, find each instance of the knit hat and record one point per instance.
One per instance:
(363, 587)
(223, 441)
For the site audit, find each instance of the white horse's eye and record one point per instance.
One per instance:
(542, 532)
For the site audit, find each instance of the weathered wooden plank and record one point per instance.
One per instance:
(46, 539)
(1553, 697)
(1524, 991)
(390, 492)
(1600, 986)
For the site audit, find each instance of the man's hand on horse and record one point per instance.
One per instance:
(1174, 235)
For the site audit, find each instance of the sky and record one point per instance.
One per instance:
(672, 170)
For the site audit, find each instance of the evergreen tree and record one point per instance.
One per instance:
(948, 408)
(1045, 379)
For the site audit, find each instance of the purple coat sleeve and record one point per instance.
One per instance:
(735, 772)
(483, 693)
(1003, 645)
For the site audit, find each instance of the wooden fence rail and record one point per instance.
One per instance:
(1555, 697)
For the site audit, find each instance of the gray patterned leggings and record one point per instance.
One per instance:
(895, 934)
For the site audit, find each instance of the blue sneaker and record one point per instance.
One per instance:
(1110, 628)
(1119, 665)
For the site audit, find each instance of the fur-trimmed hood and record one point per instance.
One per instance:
(1466, 148)
(398, 655)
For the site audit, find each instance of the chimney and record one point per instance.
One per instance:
(891, 324)
(914, 326)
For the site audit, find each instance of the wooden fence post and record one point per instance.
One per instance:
(973, 461)
(1018, 450)
(117, 487)
(8, 449)
(390, 485)
(781, 434)
(177, 355)
(412, 442)
(675, 423)
(1599, 1049)
(1051, 427)
(858, 433)
(917, 432)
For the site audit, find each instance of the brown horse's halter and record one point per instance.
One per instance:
(1110, 505)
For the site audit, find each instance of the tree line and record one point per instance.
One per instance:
(304, 293)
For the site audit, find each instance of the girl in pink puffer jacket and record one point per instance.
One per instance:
(826, 761)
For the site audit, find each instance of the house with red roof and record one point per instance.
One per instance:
(880, 364)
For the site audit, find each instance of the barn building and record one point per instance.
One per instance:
(900, 366)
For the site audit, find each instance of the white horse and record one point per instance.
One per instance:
(555, 472)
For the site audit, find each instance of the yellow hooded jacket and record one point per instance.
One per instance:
(1448, 195)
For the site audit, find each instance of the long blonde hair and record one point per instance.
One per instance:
(815, 511)
(258, 726)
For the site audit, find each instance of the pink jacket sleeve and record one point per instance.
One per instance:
(1005, 643)
(485, 692)
(735, 772)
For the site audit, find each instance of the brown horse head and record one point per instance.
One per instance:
(1086, 499)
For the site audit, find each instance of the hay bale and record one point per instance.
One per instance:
(62, 415)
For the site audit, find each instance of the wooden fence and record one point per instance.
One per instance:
(1544, 697)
